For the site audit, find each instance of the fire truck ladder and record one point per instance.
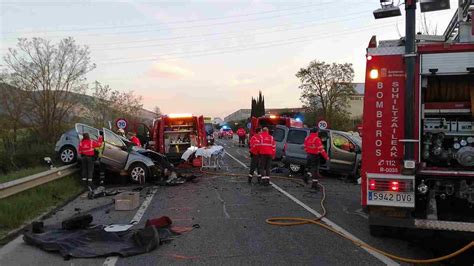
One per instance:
(452, 30)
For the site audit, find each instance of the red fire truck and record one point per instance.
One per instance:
(270, 121)
(434, 191)
(173, 134)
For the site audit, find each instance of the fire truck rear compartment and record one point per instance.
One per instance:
(447, 132)
(446, 149)
(445, 198)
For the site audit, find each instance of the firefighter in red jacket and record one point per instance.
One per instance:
(86, 150)
(241, 133)
(266, 150)
(133, 138)
(254, 141)
(314, 149)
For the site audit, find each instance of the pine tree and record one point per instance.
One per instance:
(258, 106)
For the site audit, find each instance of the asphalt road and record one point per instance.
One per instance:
(231, 214)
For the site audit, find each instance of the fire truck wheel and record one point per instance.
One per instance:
(139, 173)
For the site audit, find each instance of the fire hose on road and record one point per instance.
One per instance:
(295, 221)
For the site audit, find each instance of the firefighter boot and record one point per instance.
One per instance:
(90, 184)
(266, 180)
(306, 177)
(250, 178)
(314, 184)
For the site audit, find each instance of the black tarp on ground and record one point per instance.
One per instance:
(95, 242)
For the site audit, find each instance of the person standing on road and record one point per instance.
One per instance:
(99, 152)
(254, 157)
(266, 150)
(241, 133)
(315, 150)
(86, 150)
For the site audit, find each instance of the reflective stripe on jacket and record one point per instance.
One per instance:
(100, 149)
(313, 145)
(267, 144)
(254, 141)
(87, 146)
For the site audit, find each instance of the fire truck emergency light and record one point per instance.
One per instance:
(374, 74)
(387, 10)
(179, 115)
(433, 5)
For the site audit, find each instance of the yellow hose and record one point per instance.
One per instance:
(293, 221)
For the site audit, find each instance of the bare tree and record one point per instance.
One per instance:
(48, 76)
(12, 113)
(99, 109)
(108, 104)
(326, 89)
(426, 27)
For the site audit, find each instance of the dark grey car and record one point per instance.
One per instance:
(119, 154)
(279, 135)
(344, 151)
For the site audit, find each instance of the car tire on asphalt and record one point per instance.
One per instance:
(68, 154)
(139, 173)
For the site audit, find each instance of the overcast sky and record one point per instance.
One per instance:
(208, 57)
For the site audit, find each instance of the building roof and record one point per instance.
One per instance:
(360, 88)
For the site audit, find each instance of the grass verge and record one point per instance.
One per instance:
(22, 173)
(18, 209)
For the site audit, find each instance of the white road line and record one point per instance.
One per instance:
(241, 163)
(336, 227)
(111, 261)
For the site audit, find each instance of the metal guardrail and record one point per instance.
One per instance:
(13, 187)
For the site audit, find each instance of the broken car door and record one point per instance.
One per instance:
(115, 151)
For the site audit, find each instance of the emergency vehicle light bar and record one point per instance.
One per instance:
(179, 115)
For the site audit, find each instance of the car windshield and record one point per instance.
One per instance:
(296, 136)
(278, 134)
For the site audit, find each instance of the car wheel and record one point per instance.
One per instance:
(67, 155)
(294, 168)
(139, 173)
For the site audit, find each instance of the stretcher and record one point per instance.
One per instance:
(211, 157)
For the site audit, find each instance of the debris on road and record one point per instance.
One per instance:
(118, 227)
(95, 242)
(81, 240)
(101, 192)
(77, 222)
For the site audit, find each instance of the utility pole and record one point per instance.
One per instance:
(410, 62)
